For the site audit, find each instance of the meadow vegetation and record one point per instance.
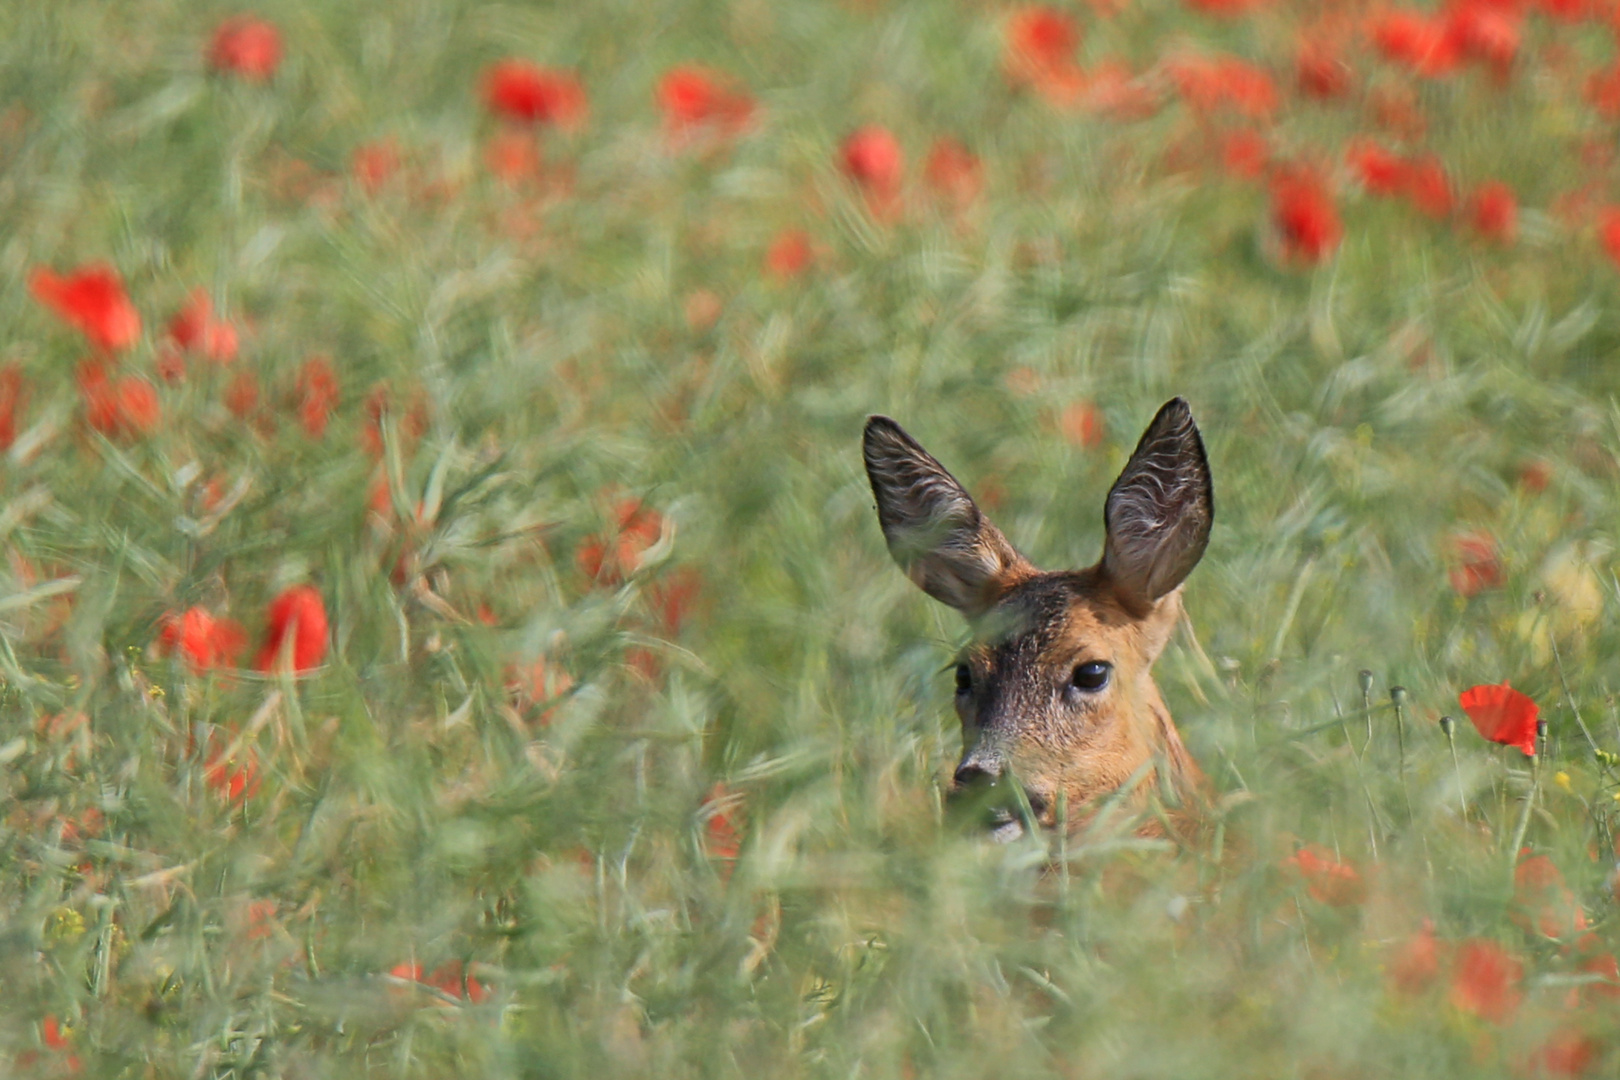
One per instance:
(444, 631)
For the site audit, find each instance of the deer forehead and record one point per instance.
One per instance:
(1054, 621)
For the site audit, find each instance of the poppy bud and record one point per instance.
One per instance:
(1448, 725)
(1397, 696)
(1365, 678)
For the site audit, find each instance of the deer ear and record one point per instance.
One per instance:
(1159, 510)
(934, 529)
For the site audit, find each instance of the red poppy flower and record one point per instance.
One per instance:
(1244, 154)
(447, 977)
(1083, 425)
(255, 919)
(513, 156)
(1380, 172)
(1303, 211)
(1225, 8)
(592, 557)
(1320, 71)
(380, 500)
(1486, 31)
(195, 329)
(1113, 90)
(1502, 715)
(371, 432)
(1476, 566)
(694, 99)
(1567, 11)
(317, 394)
(11, 397)
(233, 779)
(1422, 42)
(519, 90)
(1603, 92)
(645, 663)
(170, 363)
(1040, 45)
(138, 407)
(205, 641)
(242, 394)
(538, 683)
(1535, 475)
(1542, 903)
(452, 980)
(1609, 232)
(640, 526)
(1395, 108)
(92, 300)
(1040, 42)
(412, 425)
(1249, 89)
(408, 972)
(1067, 88)
(90, 824)
(1415, 963)
(611, 559)
(1568, 1051)
(1429, 188)
(674, 597)
(126, 406)
(953, 172)
(1606, 967)
(1328, 880)
(1494, 212)
(871, 157)
(52, 1034)
(296, 620)
(1208, 84)
(789, 255)
(373, 164)
(246, 46)
(1485, 980)
(723, 839)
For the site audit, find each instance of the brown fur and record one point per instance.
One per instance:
(1021, 714)
(1026, 710)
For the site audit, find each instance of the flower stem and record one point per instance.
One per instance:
(1449, 726)
(1529, 801)
(1397, 698)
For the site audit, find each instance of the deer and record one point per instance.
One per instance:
(1055, 688)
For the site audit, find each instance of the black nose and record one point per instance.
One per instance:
(970, 773)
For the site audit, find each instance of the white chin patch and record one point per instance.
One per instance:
(1007, 832)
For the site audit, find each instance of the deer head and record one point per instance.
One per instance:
(1055, 688)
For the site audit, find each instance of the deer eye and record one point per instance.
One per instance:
(1091, 676)
(964, 680)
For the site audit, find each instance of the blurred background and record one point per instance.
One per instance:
(443, 625)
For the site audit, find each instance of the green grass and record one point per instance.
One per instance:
(412, 810)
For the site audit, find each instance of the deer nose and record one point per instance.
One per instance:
(974, 772)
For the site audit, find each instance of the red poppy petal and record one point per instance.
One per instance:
(1503, 715)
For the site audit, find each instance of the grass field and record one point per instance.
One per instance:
(444, 631)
